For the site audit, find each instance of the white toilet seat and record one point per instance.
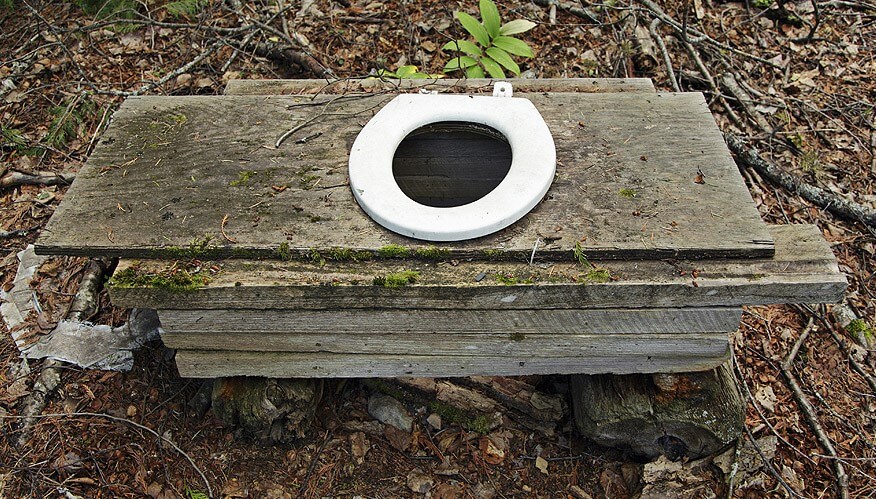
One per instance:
(532, 168)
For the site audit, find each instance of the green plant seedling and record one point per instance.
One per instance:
(493, 47)
(406, 73)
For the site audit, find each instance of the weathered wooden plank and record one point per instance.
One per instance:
(451, 323)
(211, 364)
(175, 172)
(473, 85)
(400, 342)
(803, 270)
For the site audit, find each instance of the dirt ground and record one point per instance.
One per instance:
(797, 80)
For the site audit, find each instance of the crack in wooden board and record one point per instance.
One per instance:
(172, 172)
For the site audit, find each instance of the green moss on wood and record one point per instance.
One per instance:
(393, 251)
(517, 336)
(243, 178)
(397, 279)
(432, 253)
(172, 279)
(597, 274)
(348, 255)
(284, 252)
(511, 279)
(628, 193)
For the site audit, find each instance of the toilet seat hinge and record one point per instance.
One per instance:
(502, 89)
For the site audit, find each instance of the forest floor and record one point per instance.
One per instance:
(796, 79)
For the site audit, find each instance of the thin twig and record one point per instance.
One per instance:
(666, 59)
(222, 229)
(842, 479)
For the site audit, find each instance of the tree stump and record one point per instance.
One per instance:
(275, 410)
(678, 415)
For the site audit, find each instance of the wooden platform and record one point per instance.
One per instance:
(297, 319)
(199, 176)
(645, 188)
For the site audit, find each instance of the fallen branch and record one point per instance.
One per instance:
(288, 55)
(842, 479)
(652, 28)
(16, 178)
(849, 210)
(728, 81)
(86, 300)
(9, 234)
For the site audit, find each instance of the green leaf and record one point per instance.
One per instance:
(513, 46)
(405, 71)
(516, 26)
(490, 17)
(475, 28)
(492, 67)
(475, 72)
(418, 76)
(504, 59)
(464, 46)
(459, 62)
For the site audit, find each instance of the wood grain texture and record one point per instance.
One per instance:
(472, 85)
(211, 364)
(803, 270)
(352, 323)
(175, 171)
(458, 345)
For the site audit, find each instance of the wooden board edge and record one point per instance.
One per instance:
(203, 364)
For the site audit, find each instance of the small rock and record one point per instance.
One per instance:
(183, 79)
(419, 481)
(132, 411)
(434, 421)
(542, 464)
(390, 411)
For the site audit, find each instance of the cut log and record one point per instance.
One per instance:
(273, 410)
(677, 415)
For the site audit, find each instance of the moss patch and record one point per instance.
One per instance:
(243, 178)
(628, 193)
(173, 279)
(397, 279)
(511, 279)
(597, 274)
(393, 251)
(479, 424)
(431, 253)
(860, 327)
(284, 252)
(347, 255)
